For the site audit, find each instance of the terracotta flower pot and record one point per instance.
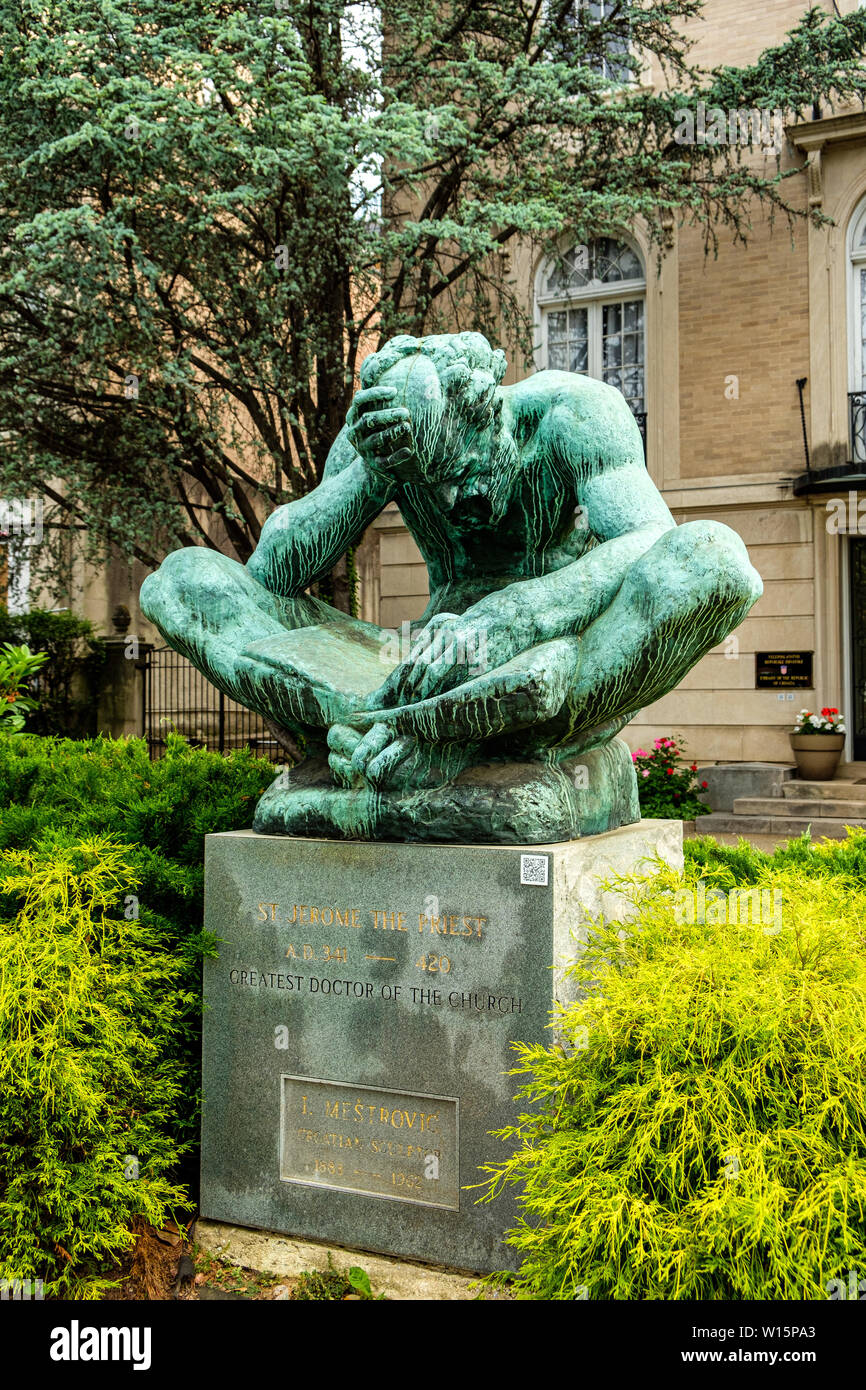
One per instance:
(817, 755)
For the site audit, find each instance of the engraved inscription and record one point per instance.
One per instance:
(470, 926)
(392, 1144)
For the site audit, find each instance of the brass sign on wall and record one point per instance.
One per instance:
(783, 670)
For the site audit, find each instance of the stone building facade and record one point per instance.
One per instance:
(710, 352)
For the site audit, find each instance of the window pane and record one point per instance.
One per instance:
(616, 48)
(579, 356)
(570, 272)
(616, 261)
(567, 340)
(556, 325)
(578, 338)
(618, 346)
(633, 315)
(863, 330)
(632, 389)
(623, 352)
(603, 261)
(612, 318)
(557, 357)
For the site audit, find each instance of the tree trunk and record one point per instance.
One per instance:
(287, 741)
(339, 586)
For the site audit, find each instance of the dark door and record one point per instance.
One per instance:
(858, 647)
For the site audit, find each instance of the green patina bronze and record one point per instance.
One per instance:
(563, 600)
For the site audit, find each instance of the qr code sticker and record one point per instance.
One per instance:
(533, 869)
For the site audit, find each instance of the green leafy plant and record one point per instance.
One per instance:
(69, 682)
(334, 1285)
(91, 1002)
(17, 667)
(701, 1131)
(667, 789)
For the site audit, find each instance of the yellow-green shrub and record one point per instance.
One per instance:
(90, 1082)
(701, 1133)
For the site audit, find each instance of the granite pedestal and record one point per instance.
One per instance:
(359, 1020)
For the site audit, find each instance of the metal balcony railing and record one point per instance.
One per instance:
(852, 470)
(857, 425)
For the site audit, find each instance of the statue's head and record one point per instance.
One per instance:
(448, 382)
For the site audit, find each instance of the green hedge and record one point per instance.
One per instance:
(91, 1084)
(730, 865)
(701, 1132)
(56, 793)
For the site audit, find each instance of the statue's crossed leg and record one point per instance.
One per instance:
(684, 595)
(561, 699)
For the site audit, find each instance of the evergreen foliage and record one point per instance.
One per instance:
(91, 1084)
(701, 1131)
(211, 211)
(56, 792)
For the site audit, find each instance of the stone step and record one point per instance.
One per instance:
(805, 808)
(786, 827)
(726, 781)
(839, 790)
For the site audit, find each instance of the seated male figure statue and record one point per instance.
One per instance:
(564, 599)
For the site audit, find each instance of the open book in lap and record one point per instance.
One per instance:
(339, 663)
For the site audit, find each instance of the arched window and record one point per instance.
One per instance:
(591, 308)
(857, 333)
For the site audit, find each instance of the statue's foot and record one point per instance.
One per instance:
(495, 802)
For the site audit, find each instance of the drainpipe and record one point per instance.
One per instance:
(801, 382)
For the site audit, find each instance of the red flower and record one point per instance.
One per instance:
(669, 771)
(694, 767)
(705, 784)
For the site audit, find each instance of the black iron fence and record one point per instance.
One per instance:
(177, 696)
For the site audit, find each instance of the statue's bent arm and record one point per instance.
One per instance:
(301, 541)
